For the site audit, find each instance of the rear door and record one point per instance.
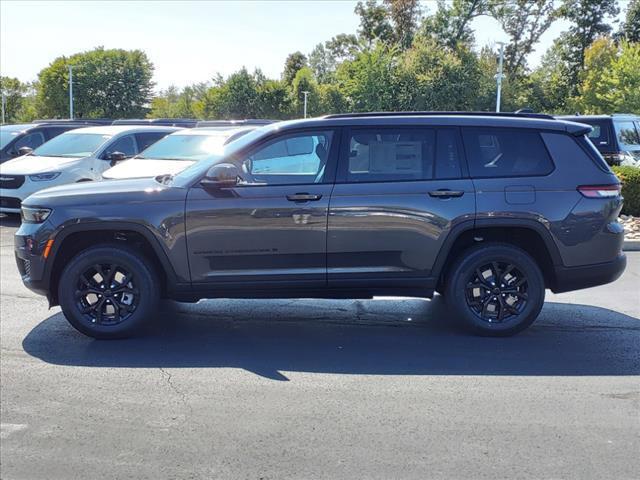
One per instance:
(398, 194)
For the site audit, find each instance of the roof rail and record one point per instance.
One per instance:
(78, 121)
(435, 113)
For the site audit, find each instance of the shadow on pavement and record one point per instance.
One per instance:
(347, 337)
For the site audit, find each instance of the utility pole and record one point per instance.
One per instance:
(306, 93)
(499, 76)
(71, 92)
(4, 102)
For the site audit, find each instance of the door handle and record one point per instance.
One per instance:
(446, 193)
(303, 197)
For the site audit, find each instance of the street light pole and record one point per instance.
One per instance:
(71, 92)
(499, 76)
(306, 93)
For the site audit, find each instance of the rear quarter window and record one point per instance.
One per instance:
(579, 152)
(506, 152)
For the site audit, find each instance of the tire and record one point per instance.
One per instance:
(108, 292)
(503, 309)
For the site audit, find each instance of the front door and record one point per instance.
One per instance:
(270, 230)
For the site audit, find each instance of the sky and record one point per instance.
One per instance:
(190, 41)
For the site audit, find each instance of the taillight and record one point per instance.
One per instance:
(600, 191)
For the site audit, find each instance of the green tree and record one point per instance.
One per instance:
(611, 78)
(589, 20)
(234, 98)
(274, 100)
(175, 103)
(370, 81)
(450, 24)
(524, 21)
(107, 83)
(14, 93)
(292, 65)
(304, 82)
(630, 29)
(375, 24)
(405, 16)
(332, 99)
(322, 63)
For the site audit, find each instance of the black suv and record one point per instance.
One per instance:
(488, 210)
(617, 136)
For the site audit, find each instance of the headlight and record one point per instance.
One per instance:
(43, 177)
(35, 214)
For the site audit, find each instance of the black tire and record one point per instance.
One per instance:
(490, 307)
(108, 291)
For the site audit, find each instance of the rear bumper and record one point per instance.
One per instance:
(576, 278)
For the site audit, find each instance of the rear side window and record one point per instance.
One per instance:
(600, 133)
(448, 154)
(627, 133)
(383, 155)
(506, 152)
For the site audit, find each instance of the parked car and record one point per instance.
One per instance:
(487, 209)
(617, 136)
(75, 156)
(234, 123)
(17, 140)
(169, 122)
(175, 152)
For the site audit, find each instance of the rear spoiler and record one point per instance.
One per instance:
(578, 129)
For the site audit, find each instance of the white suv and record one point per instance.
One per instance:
(75, 156)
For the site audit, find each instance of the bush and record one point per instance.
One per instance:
(630, 178)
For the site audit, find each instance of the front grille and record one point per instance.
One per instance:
(11, 181)
(9, 202)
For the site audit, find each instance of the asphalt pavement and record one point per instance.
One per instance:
(271, 389)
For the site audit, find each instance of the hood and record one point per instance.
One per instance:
(146, 167)
(120, 192)
(31, 164)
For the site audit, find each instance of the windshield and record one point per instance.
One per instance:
(72, 145)
(186, 147)
(628, 135)
(189, 174)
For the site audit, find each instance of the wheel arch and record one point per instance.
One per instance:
(76, 238)
(531, 236)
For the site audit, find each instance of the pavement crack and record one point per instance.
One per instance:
(168, 377)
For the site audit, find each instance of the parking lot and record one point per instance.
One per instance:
(383, 388)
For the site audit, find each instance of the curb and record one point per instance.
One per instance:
(631, 246)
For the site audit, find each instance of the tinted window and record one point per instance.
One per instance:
(495, 152)
(294, 159)
(52, 132)
(600, 133)
(381, 155)
(124, 145)
(580, 151)
(31, 140)
(147, 139)
(627, 134)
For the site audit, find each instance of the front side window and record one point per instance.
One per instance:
(383, 155)
(298, 158)
(31, 140)
(72, 145)
(124, 145)
(506, 152)
(627, 134)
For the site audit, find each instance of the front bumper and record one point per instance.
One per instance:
(576, 278)
(31, 263)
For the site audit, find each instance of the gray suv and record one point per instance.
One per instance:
(488, 210)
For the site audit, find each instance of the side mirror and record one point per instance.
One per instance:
(222, 175)
(116, 157)
(25, 150)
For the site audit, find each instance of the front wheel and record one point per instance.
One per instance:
(496, 289)
(108, 292)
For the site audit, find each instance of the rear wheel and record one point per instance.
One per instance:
(495, 289)
(108, 292)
